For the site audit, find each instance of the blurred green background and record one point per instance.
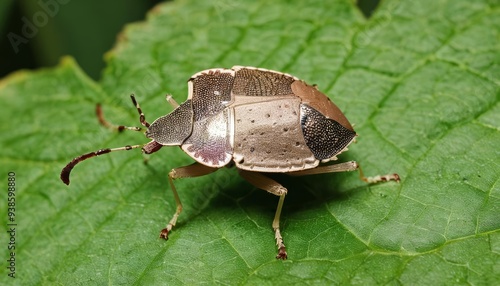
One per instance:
(83, 29)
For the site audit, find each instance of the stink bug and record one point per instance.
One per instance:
(263, 121)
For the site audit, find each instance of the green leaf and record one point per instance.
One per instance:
(420, 81)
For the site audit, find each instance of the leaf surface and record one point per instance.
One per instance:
(420, 81)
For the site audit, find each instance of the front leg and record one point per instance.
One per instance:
(191, 171)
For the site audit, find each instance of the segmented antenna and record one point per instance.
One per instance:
(67, 170)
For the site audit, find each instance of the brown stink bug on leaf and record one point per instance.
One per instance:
(264, 121)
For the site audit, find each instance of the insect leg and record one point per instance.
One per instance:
(194, 170)
(142, 118)
(378, 178)
(172, 101)
(107, 124)
(262, 182)
(346, 167)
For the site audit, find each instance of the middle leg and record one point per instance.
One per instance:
(262, 182)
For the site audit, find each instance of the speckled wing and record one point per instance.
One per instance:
(268, 135)
(267, 132)
(325, 137)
